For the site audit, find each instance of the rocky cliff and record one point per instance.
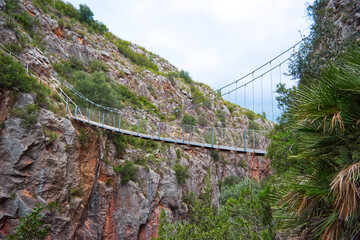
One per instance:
(71, 168)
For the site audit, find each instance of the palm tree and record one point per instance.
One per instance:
(323, 202)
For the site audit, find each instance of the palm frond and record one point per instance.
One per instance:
(345, 187)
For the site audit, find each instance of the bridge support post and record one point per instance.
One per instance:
(212, 138)
(103, 119)
(159, 132)
(183, 133)
(89, 116)
(67, 105)
(138, 125)
(76, 111)
(245, 140)
(119, 122)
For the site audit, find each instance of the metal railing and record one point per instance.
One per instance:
(245, 140)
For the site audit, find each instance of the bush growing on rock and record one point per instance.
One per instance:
(181, 173)
(83, 137)
(214, 155)
(188, 120)
(178, 153)
(13, 75)
(185, 76)
(31, 226)
(127, 171)
(250, 115)
(135, 57)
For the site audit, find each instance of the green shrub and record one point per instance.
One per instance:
(241, 163)
(231, 108)
(214, 155)
(120, 143)
(230, 181)
(42, 93)
(31, 226)
(96, 65)
(186, 76)
(52, 206)
(52, 136)
(188, 120)
(181, 173)
(250, 115)
(43, 4)
(221, 115)
(10, 24)
(67, 9)
(233, 188)
(27, 21)
(127, 171)
(108, 182)
(198, 97)
(61, 24)
(12, 6)
(172, 76)
(76, 63)
(141, 161)
(78, 192)
(83, 137)
(178, 153)
(99, 27)
(136, 58)
(13, 75)
(28, 114)
(30, 120)
(254, 125)
(14, 47)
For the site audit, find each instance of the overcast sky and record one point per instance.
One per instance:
(216, 41)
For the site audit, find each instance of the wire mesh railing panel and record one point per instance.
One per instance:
(197, 136)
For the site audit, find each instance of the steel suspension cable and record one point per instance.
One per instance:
(272, 94)
(262, 95)
(253, 93)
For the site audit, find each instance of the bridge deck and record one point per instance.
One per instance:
(169, 140)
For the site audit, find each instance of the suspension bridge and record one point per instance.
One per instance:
(247, 91)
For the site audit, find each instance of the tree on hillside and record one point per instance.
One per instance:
(86, 15)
